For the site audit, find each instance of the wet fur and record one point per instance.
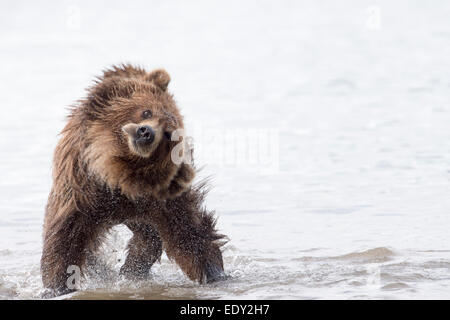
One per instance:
(98, 183)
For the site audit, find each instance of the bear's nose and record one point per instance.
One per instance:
(145, 133)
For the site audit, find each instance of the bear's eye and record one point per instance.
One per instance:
(146, 114)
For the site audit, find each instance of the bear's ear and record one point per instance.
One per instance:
(159, 77)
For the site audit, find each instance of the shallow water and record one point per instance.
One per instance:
(352, 201)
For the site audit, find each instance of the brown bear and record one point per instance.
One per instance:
(114, 165)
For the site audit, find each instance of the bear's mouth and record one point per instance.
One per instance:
(142, 143)
(167, 135)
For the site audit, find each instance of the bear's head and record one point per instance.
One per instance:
(129, 118)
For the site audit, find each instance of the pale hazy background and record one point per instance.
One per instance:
(354, 95)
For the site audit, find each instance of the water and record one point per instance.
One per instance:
(356, 95)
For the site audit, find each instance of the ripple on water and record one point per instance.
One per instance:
(395, 286)
(375, 255)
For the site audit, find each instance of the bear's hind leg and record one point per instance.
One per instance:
(144, 249)
(66, 242)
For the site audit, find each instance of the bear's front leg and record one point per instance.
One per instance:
(66, 240)
(144, 249)
(189, 237)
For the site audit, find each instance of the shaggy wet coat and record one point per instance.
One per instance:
(102, 178)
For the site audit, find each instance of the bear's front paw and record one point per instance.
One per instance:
(213, 273)
(180, 183)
